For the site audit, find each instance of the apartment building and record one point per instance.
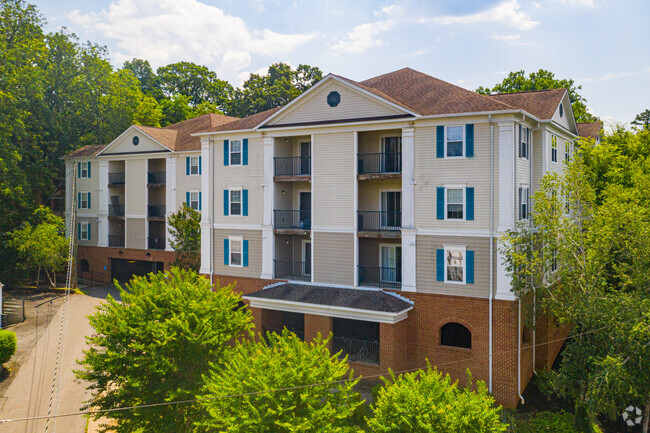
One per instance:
(372, 210)
(124, 192)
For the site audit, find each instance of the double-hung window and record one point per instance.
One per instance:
(454, 142)
(454, 265)
(553, 148)
(84, 200)
(235, 202)
(236, 251)
(194, 165)
(524, 202)
(455, 203)
(194, 200)
(235, 152)
(84, 232)
(524, 138)
(85, 170)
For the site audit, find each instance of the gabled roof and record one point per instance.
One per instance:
(540, 103)
(590, 129)
(89, 150)
(248, 122)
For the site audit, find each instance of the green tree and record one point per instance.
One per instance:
(196, 82)
(157, 344)
(642, 120)
(149, 84)
(185, 237)
(278, 87)
(326, 405)
(542, 80)
(175, 110)
(427, 401)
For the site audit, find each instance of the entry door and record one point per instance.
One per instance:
(392, 147)
(391, 263)
(306, 258)
(305, 210)
(391, 209)
(305, 151)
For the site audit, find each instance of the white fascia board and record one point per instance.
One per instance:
(559, 127)
(124, 133)
(328, 310)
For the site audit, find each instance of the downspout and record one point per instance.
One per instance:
(521, 397)
(491, 246)
(210, 171)
(530, 222)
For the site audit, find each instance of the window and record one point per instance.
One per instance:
(84, 266)
(524, 138)
(567, 152)
(84, 200)
(554, 261)
(553, 148)
(235, 202)
(236, 251)
(454, 141)
(84, 232)
(85, 170)
(524, 202)
(194, 200)
(455, 335)
(561, 110)
(235, 152)
(455, 203)
(455, 265)
(194, 165)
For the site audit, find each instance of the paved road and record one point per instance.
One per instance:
(29, 393)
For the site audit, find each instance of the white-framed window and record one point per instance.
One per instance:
(454, 203)
(553, 148)
(236, 251)
(194, 200)
(84, 232)
(454, 141)
(455, 265)
(390, 263)
(567, 151)
(85, 170)
(84, 200)
(306, 258)
(235, 152)
(524, 202)
(524, 139)
(194, 165)
(235, 202)
(554, 261)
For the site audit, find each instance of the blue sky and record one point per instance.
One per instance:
(602, 44)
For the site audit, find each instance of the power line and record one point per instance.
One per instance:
(292, 388)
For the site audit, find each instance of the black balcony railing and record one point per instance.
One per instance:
(292, 219)
(116, 241)
(115, 210)
(156, 243)
(156, 178)
(292, 166)
(116, 178)
(390, 278)
(288, 270)
(379, 221)
(278, 331)
(156, 211)
(357, 350)
(377, 163)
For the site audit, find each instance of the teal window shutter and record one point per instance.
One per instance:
(226, 152)
(89, 201)
(469, 140)
(440, 202)
(200, 165)
(440, 141)
(78, 230)
(226, 207)
(440, 265)
(469, 279)
(88, 231)
(226, 252)
(199, 200)
(187, 166)
(79, 170)
(78, 200)
(245, 151)
(245, 253)
(244, 200)
(187, 198)
(469, 200)
(89, 164)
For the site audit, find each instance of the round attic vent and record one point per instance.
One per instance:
(136, 140)
(333, 99)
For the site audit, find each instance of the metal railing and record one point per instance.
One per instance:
(156, 211)
(380, 277)
(377, 163)
(356, 350)
(292, 166)
(278, 331)
(288, 270)
(115, 210)
(156, 243)
(292, 219)
(116, 179)
(379, 221)
(116, 241)
(156, 178)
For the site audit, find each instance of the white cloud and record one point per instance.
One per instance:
(604, 77)
(506, 13)
(578, 3)
(166, 31)
(510, 39)
(364, 36)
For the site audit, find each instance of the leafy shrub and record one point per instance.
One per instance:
(7, 345)
(548, 422)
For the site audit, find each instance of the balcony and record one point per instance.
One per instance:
(288, 270)
(379, 165)
(116, 179)
(115, 210)
(386, 222)
(356, 350)
(116, 241)
(292, 168)
(156, 178)
(156, 243)
(156, 211)
(389, 278)
(292, 220)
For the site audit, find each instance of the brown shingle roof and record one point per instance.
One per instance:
(589, 129)
(540, 103)
(248, 122)
(178, 136)
(89, 150)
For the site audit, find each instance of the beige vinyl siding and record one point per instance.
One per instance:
(369, 250)
(90, 185)
(432, 172)
(93, 231)
(426, 247)
(250, 177)
(354, 104)
(333, 180)
(125, 144)
(539, 148)
(136, 233)
(254, 268)
(370, 191)
(564, 119)
(334, 258)
(186, 183)
(136, 187)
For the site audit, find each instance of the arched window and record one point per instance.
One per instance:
(84, 266)
(455, 335)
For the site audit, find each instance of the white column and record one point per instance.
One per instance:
(69, 178)
(268, 238)
(170, 195)
(409, 256)
(356, 209)
(506, 191)
(104, 192)
(207, 173)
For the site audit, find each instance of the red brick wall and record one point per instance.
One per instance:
(315, 324)
(100, 257)
(244, 285)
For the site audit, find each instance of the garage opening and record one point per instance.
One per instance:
(123, 270)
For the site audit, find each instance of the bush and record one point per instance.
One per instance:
(548, 422)
(7, 345)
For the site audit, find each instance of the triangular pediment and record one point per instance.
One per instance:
(134, 140)
(564, 115)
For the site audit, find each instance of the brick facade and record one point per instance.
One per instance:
(99, 260)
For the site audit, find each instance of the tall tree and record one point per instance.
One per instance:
(642, 120)
(185, 237)
(196, 82)
(149, 83)
(542, 80)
